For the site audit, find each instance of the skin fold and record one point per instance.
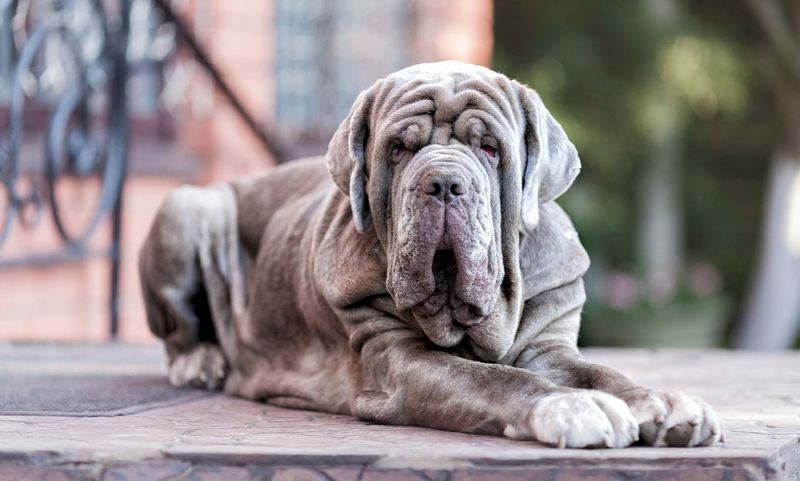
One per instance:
(420, 273)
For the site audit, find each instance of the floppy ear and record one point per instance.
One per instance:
(551, 163)
(346, 158)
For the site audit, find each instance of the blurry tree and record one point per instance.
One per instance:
(772, 316)
(659, 98)
(660, 216)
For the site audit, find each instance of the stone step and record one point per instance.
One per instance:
(126, 435)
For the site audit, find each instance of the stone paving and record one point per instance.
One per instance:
(212, 436)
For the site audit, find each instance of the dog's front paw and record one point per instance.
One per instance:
(673, 418)
(578, 419)
(203, 366)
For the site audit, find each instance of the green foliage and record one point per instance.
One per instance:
(579, 57)
(616, 75)
(704, 72)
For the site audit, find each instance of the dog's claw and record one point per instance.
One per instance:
(675, 419)
(562, 442)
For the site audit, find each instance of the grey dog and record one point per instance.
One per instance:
(420, 274)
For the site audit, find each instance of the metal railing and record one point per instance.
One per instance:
(68, 58)
(65, 57)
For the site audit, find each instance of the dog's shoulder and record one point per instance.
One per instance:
(551, 256)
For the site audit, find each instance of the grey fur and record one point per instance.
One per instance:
(433, 282)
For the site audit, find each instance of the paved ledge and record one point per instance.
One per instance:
(171, 435)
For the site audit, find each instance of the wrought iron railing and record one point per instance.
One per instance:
(68, 58)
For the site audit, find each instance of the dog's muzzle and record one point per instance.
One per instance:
(444, 267)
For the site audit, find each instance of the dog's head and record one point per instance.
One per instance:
(448, 162)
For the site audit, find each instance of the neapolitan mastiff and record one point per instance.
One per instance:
(421, 273)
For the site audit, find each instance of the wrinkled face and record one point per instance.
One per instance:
(445, 162)
(438, 145)
(443, 223)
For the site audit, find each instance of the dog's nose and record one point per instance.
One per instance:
(445, 186)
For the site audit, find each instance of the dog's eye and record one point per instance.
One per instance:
(489, 150)
(399, 150)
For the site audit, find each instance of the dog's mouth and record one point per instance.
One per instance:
(444, 268)
(445, 303)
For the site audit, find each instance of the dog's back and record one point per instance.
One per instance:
(260, 196)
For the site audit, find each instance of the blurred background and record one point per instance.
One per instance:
(686, 115)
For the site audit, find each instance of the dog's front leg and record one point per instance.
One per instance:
(405, 381)
(665, 418)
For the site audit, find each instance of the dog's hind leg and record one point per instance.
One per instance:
(193, 280)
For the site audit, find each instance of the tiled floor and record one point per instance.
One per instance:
(217, 437)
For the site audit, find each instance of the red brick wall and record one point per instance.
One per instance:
(454, 30)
